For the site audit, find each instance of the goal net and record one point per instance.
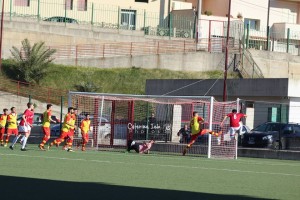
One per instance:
(116, 118)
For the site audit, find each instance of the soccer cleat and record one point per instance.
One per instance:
(70, 150)
(11, 147)
(41, 147)
(23, 149)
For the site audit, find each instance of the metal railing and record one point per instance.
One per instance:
(45, 94)
(122, 49)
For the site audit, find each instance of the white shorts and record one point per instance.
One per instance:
(232, 131)
(24, 129)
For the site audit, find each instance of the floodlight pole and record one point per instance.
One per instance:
(226, 55)
(1, 32)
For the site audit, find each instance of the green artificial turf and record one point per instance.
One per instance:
(57, 174)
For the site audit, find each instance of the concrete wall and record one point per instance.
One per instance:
(277, 65)
(197, 61)
(59, 34)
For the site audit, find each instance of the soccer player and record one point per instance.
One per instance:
(12, 128)
(65, 128)
(3, 119)
(69, 141)
(24, 126)
(142, 148)
(196, 131)
(85, 127)
(46, 126)
(234, 122)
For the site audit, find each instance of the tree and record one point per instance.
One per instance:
(31, 62)
(86, 84)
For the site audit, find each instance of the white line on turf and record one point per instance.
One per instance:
(156, 165)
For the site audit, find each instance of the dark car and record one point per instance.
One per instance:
(273, 135)
(61, 19)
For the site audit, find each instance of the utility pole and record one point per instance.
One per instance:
(1, 36)
(226, 54)
(268, 27)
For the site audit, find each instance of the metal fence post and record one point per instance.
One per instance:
(65, 13)
(247, 36)
(10, 10)
(288, 40)
(92, 17)
(119, 17)
(29, 98)
(144, 21)
(170, 27)
(38, 11)
(268, 38)
(61, 111)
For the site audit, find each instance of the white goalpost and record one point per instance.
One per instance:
(116, 118)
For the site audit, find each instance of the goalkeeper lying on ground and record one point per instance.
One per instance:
(142, 148)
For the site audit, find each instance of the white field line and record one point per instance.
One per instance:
(239, 160)
(156, 165)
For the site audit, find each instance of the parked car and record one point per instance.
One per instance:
(104, 128)
(36, 128)
(273, 135)
(61, 19)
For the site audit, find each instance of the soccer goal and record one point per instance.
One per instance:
(116, 118)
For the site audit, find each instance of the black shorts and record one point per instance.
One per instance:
(132, 147)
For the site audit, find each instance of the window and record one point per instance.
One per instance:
(82, 5)
(254, 23)
(297, 129)
(22, 3)
(142, 1)
(69, 5)
(128, 19)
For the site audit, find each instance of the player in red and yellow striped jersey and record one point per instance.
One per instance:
(46, 126)
(12, 128)
(65, 128)
(196, 130)
(69, 141)
(3, 119)
(85, 127)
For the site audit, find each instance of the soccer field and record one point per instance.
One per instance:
(58, 174)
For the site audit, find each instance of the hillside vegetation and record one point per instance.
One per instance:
(117, 80)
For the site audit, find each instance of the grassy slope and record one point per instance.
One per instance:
(120, 80)
(117, 80)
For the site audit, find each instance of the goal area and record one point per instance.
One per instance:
(117, 118)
